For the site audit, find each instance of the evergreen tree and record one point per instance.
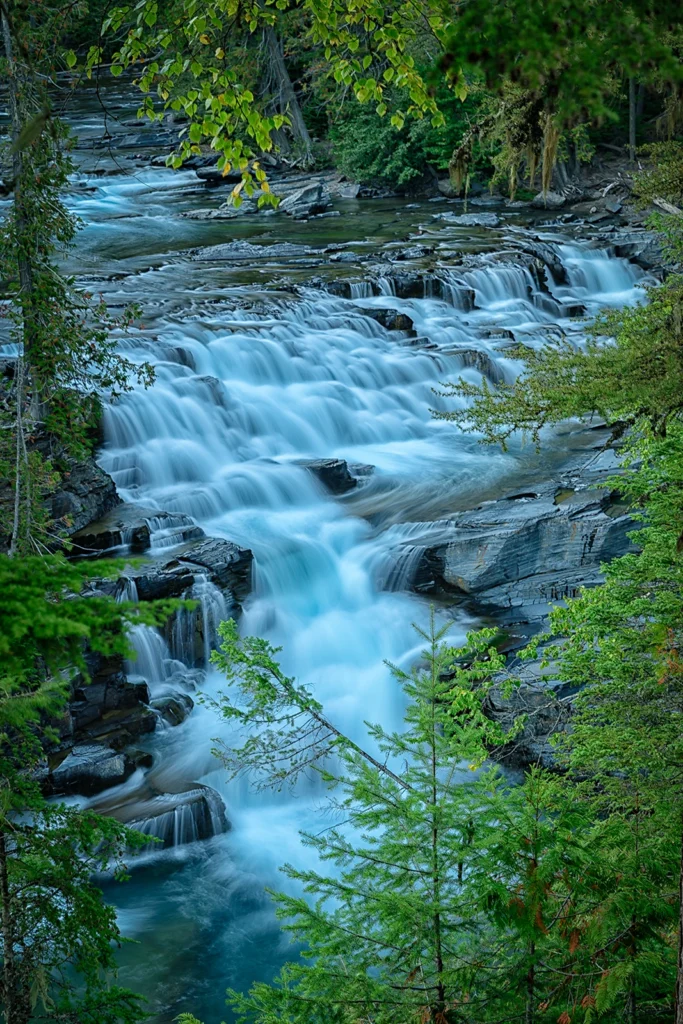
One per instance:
(56, 932)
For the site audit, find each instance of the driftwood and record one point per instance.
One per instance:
(663, 204)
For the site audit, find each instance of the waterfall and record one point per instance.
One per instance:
(242, 397)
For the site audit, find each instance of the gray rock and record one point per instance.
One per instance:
(470, 220)
(88, 769)
(305, 201)
(524, 552)
(85, 494)
(225, 564)
(192, 814)
(241, 250)
(415, 252)
(333, 474)
(391, 319)
(132, 526)
(174, 708)
(350, 190)
(548, 201)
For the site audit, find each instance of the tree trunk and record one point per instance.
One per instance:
(25, 270)
(16, 1002)
(632, 119)
(530, 987)
(678, 1016)
(288, 102)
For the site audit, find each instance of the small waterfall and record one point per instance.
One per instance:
(192, 814)
(180, 819)
(360, 290)
(386, 285)
(192, 633)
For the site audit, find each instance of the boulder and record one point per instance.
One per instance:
(240, 250)
(174, 708)
(415, 252)
(120, 727)
(132, 526)
(88, 769)
(304, 202)
(223, 563)
(85, 494)
(333, 474)
(92, 701)
(193, 814)
(391, 319)
(548, 201)
(524, 552)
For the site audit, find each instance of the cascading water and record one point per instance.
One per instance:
(241, 398)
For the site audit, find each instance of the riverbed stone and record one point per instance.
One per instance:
(304, 202)
(333, 474)
(88, 769)
(85, 494)
(225, 564)
(192, 812)
(174, 708)
(391, 319)
(526, 552)
(548, 201)
(132, 526)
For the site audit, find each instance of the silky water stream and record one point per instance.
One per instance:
(244, 389)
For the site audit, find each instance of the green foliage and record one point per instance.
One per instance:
(58, 937)
(564, 53)
(67, 342)
(663, 180)
(56, 932)
(45, 625)
(637, 375)
(368, 148)
(454, 894)
(182, 51)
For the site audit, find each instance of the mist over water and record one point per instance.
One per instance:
(242, 395)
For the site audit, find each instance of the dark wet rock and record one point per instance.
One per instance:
(86, 493)
(526, 553)
(92, 700)
(118, 729)
(240, 250)
(546, 713)
(306, 201)
(548, 201)
(225, 565)
(391, 319)
(174, 708)
(333, 474)
(547, 255)
(88, 769)
(361, 470)
(141, 758)
(133, 526)
(470, 220)
(214, 176)
(192, 814)
(477, 360)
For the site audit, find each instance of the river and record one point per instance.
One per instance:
(250, 379)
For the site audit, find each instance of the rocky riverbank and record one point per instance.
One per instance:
(461, 292)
